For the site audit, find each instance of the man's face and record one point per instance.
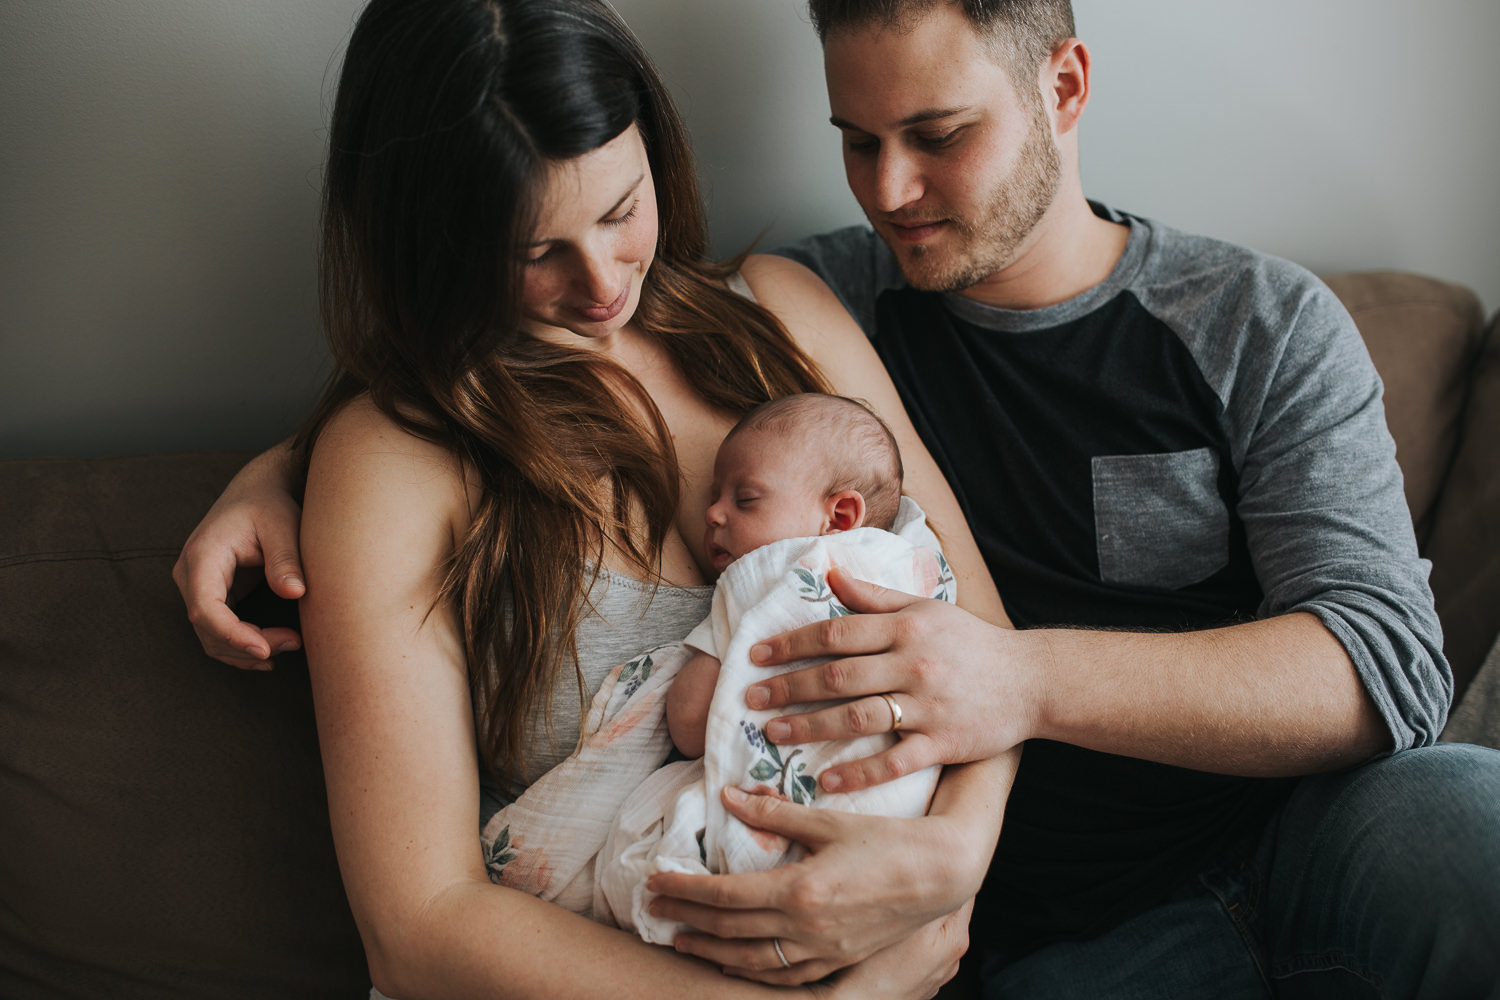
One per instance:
(951, 163)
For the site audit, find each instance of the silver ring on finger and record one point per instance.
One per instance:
(776, 943)
(890, 700)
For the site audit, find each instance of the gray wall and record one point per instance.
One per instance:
(158, 182)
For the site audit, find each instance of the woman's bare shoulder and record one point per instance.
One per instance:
(363, 460)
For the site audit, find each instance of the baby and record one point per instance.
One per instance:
(795, 467)
(801, 485)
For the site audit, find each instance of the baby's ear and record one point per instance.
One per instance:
(845, 510)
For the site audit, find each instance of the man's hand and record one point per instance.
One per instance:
(966, 691)
(253, 524)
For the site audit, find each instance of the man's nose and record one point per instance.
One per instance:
(898, 181)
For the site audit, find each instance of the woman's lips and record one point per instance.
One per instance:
(603, 314)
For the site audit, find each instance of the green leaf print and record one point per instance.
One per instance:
(764, 770)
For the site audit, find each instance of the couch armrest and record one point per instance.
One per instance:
(1464, 544)
(1423, 335)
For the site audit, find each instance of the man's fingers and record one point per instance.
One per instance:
(863, 716)
(911, 754)
(842, 636)
(864, 597)
(284, 567)
(838, 679)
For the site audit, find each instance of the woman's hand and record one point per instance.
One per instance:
(866, 883)
(966, 688)
(254, 523)
(916, 967)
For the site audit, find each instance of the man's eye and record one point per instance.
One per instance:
(861, 147)
(939, 140)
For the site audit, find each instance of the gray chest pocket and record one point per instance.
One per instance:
(1158, 519)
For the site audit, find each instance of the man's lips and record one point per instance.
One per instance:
(915, 232)
(603, 314)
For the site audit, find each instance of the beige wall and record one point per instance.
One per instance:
(160, 164)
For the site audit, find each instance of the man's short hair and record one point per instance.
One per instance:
(1024, 33)
(862, 451)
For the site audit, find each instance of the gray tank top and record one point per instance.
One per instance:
(625, 617)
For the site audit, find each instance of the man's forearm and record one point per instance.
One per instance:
(1272, 697)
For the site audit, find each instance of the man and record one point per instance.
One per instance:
(1176, 449)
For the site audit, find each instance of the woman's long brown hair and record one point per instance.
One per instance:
(447, 117)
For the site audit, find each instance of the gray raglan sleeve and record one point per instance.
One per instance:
(854, 263)
(1322, 501)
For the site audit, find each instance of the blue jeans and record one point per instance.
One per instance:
(1382, 881)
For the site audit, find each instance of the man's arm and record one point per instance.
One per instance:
(253, 523)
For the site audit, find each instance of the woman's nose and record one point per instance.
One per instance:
(597, 277)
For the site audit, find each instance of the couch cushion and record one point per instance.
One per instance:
(1464, 545)
(163, 827)
(1422, 335)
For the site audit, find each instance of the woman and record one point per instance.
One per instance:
(536, 367)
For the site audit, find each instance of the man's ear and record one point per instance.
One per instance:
(843, 511)
(1065, 83)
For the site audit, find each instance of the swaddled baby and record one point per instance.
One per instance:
(802, 484)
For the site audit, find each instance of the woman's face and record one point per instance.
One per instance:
(594, 241)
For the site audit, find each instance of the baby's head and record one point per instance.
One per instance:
(798, 466)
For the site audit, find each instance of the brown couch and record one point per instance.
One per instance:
(163, 828)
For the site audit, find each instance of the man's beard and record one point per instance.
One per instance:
(989, 244)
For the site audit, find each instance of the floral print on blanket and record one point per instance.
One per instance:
(770, 765)
(510, 862)
(635, 673)
(814, 587)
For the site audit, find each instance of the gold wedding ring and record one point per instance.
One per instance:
(890, 700)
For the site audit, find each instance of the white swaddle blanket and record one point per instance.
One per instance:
(590, 832)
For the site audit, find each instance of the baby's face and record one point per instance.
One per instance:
(766, 487)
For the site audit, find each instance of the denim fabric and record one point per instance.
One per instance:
(1379, 882)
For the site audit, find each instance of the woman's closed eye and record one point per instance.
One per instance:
(620, 220)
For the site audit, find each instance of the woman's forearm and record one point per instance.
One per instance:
(972, 798)
(480, 940)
